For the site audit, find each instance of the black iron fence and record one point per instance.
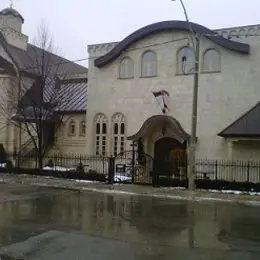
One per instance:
(228, 175)
(70, 166)
(130, 167)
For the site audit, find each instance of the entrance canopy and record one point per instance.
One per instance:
(167, 123)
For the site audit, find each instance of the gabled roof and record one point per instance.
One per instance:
(248, 125)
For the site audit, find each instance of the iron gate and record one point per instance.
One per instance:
(132, 167)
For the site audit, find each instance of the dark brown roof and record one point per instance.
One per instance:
(247, 125)
(26, 60)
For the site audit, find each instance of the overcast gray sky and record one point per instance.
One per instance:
(76, 23)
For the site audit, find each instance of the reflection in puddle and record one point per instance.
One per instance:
(133, 219)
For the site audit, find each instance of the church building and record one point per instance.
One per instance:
(141, 90)
(66, 87)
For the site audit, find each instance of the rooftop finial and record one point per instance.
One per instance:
(11, 3)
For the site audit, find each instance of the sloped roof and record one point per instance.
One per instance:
(75, 97)
(248, 125)
(67, 96)
(27, 59)
(6, 66)
(70, 95)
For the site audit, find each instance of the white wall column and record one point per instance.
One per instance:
(230, 149)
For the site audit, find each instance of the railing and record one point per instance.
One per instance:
(227, 174)
(210, 174)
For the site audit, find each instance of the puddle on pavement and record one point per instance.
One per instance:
(132, 219)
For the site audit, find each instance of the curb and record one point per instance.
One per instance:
(132, 190)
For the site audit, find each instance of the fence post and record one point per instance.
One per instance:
(133, 145)
(133, 166)
(248, 171)
(216, 170)
(111, 170)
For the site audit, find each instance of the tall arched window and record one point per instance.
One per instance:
(149, 64)
(100, 122)
(83, 128)
(126, 68)
(211, 61)
(119, 133)
(72, 127)
(186, 61)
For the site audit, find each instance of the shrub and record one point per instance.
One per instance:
(9, 165)
(50, 163)
(80, 168)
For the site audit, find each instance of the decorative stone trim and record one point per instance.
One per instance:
(243, 31)
(101, 48)
(14, 33)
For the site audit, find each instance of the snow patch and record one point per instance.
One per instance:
(86, 181)
(236, 192)
(2, 165)
(58, 168)
(122, 178)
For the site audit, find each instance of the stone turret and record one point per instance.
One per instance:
(11, 22)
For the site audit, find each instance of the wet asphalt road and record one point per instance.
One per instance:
(41, 223)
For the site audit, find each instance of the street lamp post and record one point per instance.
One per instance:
(195, 38)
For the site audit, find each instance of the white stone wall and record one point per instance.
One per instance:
(9, 21)
(223, 97)
(11, 29)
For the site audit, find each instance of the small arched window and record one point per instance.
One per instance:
(126, 68)
(72, 128)
(83, 128)
(100, 121)
(149, 64)
(119, 138)
(186, 61)
(211, 61)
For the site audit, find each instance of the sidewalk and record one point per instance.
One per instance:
(130, 189)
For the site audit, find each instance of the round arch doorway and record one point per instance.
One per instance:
(170, 157)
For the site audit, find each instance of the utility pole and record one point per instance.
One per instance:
(193, 139)
(195, 39)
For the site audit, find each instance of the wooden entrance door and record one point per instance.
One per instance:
(165, 161)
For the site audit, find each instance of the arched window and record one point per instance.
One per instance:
(211, 61)
(100, 122)
(119, 135)
(126, 68)
(149, 64)
(186, 61)
(72, 127)
(83, 128)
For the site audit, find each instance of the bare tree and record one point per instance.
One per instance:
(34, 97)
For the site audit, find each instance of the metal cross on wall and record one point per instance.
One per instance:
(162, 99)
